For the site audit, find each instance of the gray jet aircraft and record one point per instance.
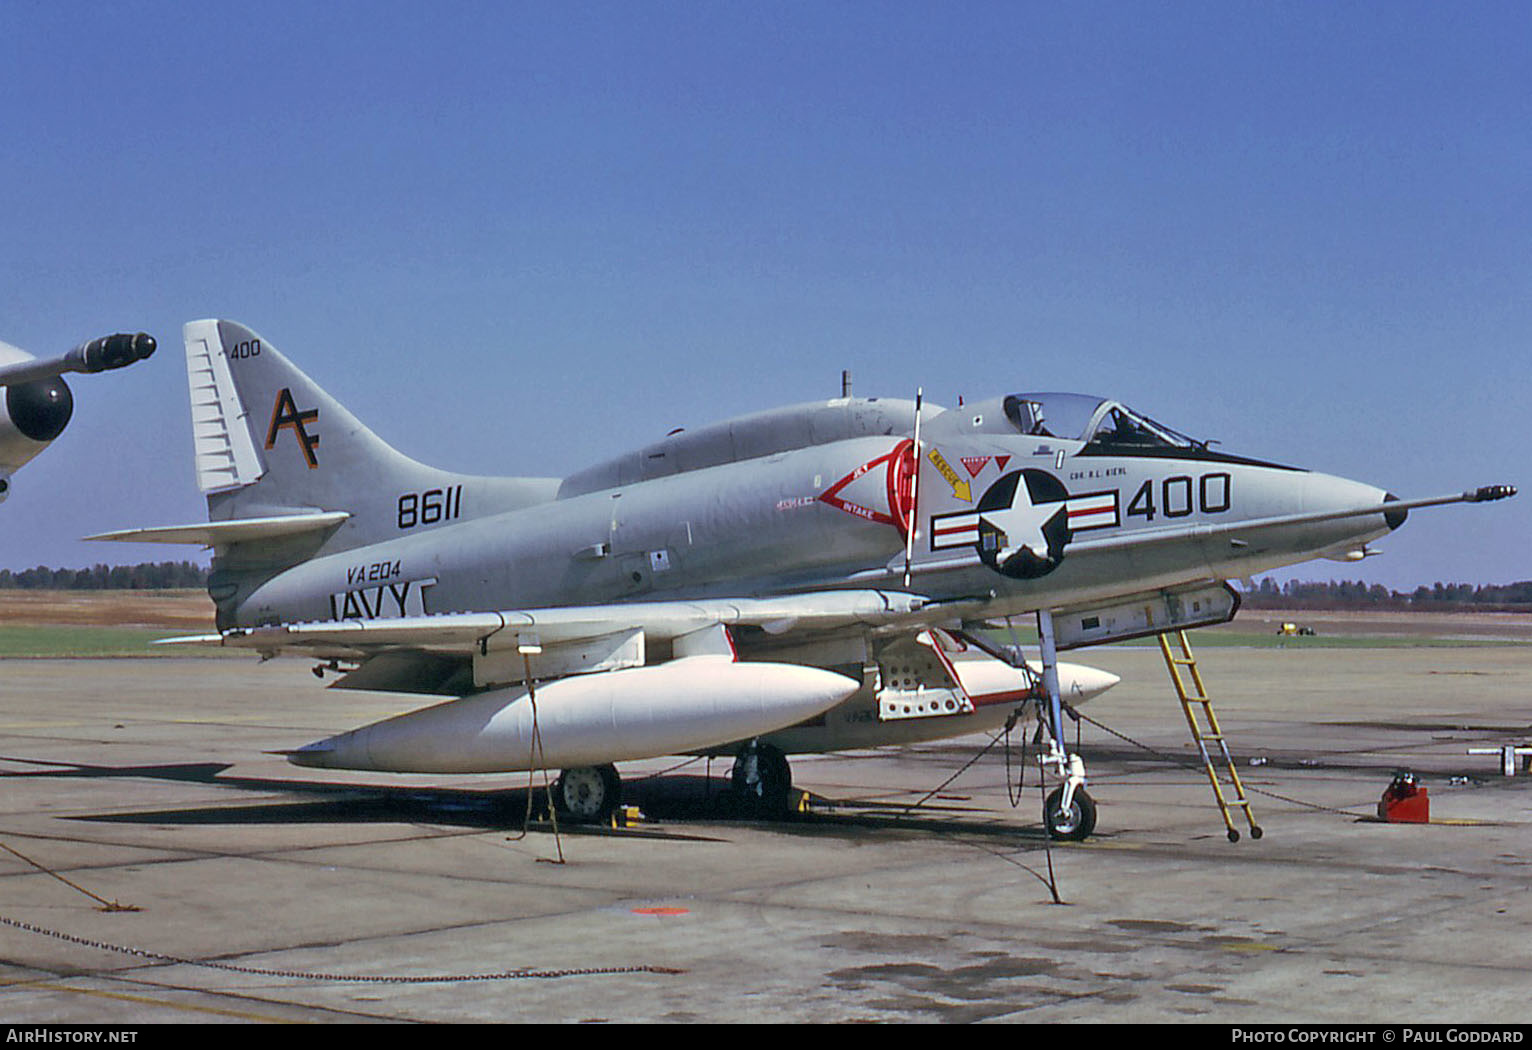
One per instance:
(808, 578)
(37, 404)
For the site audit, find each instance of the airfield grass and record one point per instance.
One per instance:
(1224, 638)
(74, 641)
(68, 624)
(1227, 639)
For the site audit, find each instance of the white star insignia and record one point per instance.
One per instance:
(1021, 525)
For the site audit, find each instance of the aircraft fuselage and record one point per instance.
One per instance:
(1019, 521)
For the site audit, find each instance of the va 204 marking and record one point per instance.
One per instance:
(381, 570)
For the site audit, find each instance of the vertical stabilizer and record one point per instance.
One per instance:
(270, 442)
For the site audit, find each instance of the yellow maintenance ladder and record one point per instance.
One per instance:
(1198, 694)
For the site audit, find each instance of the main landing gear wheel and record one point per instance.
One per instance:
(762, 781)
(587, 794)
(1074, 824)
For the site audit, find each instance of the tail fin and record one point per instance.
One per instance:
(270, 442)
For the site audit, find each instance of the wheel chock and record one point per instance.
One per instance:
(626, 817)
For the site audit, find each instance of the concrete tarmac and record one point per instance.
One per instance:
(264, 892)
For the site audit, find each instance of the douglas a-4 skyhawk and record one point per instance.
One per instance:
(810, 578)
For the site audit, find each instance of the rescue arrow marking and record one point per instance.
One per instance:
(960, 488)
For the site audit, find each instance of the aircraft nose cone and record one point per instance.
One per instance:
(321, 754)
(1079, 683)
(1343, 517)
(1327, 493)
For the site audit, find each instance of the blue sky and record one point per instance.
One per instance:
(518, 238)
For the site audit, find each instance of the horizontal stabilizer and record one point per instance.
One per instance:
(224, 533)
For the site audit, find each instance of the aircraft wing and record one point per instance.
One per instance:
(431, 653)
(97, 355)
(222, 533)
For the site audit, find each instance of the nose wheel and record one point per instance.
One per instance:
(1072, 822)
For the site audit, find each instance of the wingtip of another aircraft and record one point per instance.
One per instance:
(1490, 493)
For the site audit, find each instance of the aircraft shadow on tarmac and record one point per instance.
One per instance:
(674, 798)
(677, 798)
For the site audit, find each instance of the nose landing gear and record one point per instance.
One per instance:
(1069, 813)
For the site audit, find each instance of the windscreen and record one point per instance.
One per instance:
(1120, 427)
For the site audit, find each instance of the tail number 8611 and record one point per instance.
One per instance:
(430, 507)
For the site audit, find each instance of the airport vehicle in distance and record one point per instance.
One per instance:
(807, 578)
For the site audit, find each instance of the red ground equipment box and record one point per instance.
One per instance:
(1405, 801)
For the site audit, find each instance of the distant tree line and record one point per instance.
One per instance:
(1334, 594)
(148, 576)
(1348, 594)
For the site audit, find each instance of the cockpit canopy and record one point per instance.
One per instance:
(1101, 424)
